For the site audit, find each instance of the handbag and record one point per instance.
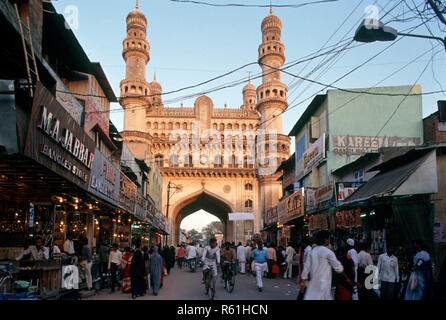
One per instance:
(413, 282)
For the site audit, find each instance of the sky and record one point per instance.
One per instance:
(193, 43)
(198, 220)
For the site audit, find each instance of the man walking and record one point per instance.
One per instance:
(354, 256)
(180, 255)
(260, 257)
(114, 261)
(289, 258)
(318, 270)
(388, 274)
(272, 258)
(241, 257)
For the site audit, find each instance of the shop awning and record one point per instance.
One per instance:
(271, 227)
(412, 173)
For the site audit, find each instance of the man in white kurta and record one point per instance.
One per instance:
(241, 257)
(317, 271)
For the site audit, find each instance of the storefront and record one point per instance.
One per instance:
(44, 179)
(293, 218)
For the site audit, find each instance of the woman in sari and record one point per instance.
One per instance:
(344, 289)
(137, 272)
(420, 281)
(126, 262)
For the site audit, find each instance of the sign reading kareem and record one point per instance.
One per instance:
(356, 145)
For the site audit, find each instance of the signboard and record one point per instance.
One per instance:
(127, 194)
(440, 232)
(240, 216)
(294, 206)
(105, 179)
(314, 154)
(324, 198)
(357, 145)
(271, 215)
(140, 205)
(309, 199)
(349, 218)
(345, 189)
(56, 141)
(281, 210)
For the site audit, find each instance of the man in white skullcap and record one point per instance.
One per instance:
(354, 256)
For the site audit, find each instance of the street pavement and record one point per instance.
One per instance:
(185, 285)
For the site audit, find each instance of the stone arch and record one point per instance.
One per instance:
(206, 200)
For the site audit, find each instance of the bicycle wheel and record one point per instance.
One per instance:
(231, 282)
(211, 288)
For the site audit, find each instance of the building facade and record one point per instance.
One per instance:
(210, 153)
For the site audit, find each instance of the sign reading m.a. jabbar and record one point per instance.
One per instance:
(56, 141)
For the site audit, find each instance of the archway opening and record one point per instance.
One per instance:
(205, 223)
(208, 202)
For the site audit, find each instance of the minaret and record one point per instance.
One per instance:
(135, 91)
(272, 93)
(249, 96)
(271, 102)
(134, 88)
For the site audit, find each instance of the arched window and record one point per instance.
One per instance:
(155, 125)
(261, 95)
(268, 93)
(229, 126)
(281, 93)
(275, 92)
(159, 160)
(184, 125)
(248, 203)
(170, 126)
(248, 186)
(243, 127)
(250, 126)
(177, 125)
(163, 125)
(222, 126)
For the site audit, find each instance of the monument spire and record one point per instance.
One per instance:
(270, 6)
(136, 4)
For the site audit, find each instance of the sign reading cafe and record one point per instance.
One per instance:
(55, 140)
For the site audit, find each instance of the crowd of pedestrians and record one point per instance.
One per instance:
(346, 272)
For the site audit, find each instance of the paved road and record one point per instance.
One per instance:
(185, 285)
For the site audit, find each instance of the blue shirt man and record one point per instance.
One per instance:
(260, 256)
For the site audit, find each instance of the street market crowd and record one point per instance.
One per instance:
(322, 270)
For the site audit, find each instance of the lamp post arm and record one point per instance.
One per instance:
(443, 40)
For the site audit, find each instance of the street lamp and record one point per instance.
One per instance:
(176, 189)
(371, 30)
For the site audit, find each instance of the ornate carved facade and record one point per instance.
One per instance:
(210, 153)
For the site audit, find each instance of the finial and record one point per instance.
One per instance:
(249, 77)
(136, 4)
(154, 76)
(270, 6)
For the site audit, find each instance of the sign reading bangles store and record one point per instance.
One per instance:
(56, 141)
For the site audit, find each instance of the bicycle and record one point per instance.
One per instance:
(210, 282)
(228, 276)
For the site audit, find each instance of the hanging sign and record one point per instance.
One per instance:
(56, 141)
